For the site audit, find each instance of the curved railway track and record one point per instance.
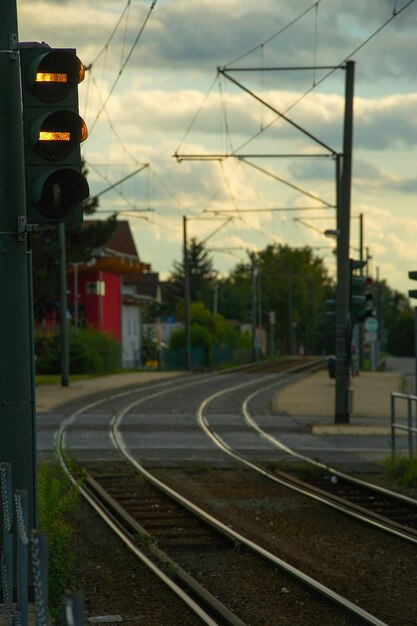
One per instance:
(392, 512)
(353, 610)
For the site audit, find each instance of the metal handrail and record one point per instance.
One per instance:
(410, 399)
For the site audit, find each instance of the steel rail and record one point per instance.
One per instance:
(131, 545)
(272, 558)
(104, 499)
(60, 446)
(282, 446)
(335, 503)
(108, 519)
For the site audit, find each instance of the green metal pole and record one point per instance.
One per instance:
(342, 408)
(17, 387)
(361, 329)
(254, 312)
(186, 297)
(64, 307)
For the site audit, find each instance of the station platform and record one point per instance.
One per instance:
(49, 397)
(314, 398)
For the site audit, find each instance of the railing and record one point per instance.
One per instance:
(411, 401)
(24, 564)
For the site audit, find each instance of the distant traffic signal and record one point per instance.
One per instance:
(361, 297)
(53, 132)
(330, 309)
(412, 292)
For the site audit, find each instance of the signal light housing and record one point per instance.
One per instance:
(53, 131)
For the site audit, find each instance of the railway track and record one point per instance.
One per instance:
(178, 534)
(380, 507)
(352, 613)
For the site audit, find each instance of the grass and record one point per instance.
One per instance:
(58, 502)
(402, 470)
(55, 379)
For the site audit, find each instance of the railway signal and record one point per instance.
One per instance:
(53, 132)
(330, 309)
(361, 298)
(412, 292)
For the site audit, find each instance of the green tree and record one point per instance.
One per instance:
(207, 329)
(201, 273)
(397, 320)
(235, 294)
(291, 282)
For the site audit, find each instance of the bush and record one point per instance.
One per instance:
(402, 470)
(90, 352)
(58, 502)
(47, 351)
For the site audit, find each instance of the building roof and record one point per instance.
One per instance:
(147, 284)
(122, 240)
(119, 255)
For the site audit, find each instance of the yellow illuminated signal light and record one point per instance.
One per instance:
(45, 135)
(48, 77)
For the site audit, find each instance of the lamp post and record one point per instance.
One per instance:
(76, 265)
(186, 297)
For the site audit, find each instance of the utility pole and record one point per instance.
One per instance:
(342, 404)
(186, 297)
(17, 371)
(291, 337)
(361, 258)
(63, 307)
(254, 312)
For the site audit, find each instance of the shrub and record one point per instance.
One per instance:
(402, 470)
(90, 352)
(58, 503)
(47, 351)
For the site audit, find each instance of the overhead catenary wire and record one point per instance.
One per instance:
(197, 113)
(288, 184)
(318, 82)
(123, 65)
(113, 187)
(276, 34)
(114, 31)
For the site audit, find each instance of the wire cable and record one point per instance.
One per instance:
(106, 45)
(195, 116)
(395, 14)
(123, 66)
(276, 34)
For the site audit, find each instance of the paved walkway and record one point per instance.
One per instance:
(314, 397)
(48, 397)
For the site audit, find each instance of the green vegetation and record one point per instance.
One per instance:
(144, 540)
(58, 502)
(208, 330)
(402, 470)
(90, 352)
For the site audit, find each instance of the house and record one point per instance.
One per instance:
(110, 291)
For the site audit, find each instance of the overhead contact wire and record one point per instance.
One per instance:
(123, 66)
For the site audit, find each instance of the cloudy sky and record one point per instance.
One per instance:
(153, 91)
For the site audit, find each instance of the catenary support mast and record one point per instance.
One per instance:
(17, 388)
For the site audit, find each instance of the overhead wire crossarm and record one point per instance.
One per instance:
(122, 180)
(286, 182)
(234, 155)
(278, 69)
(265, 210)
(224, 72)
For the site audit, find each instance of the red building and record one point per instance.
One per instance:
(109, 292)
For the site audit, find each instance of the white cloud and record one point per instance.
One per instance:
(165, 83)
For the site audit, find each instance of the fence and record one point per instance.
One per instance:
(200, 357)
(24, 564)
(407, 423)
